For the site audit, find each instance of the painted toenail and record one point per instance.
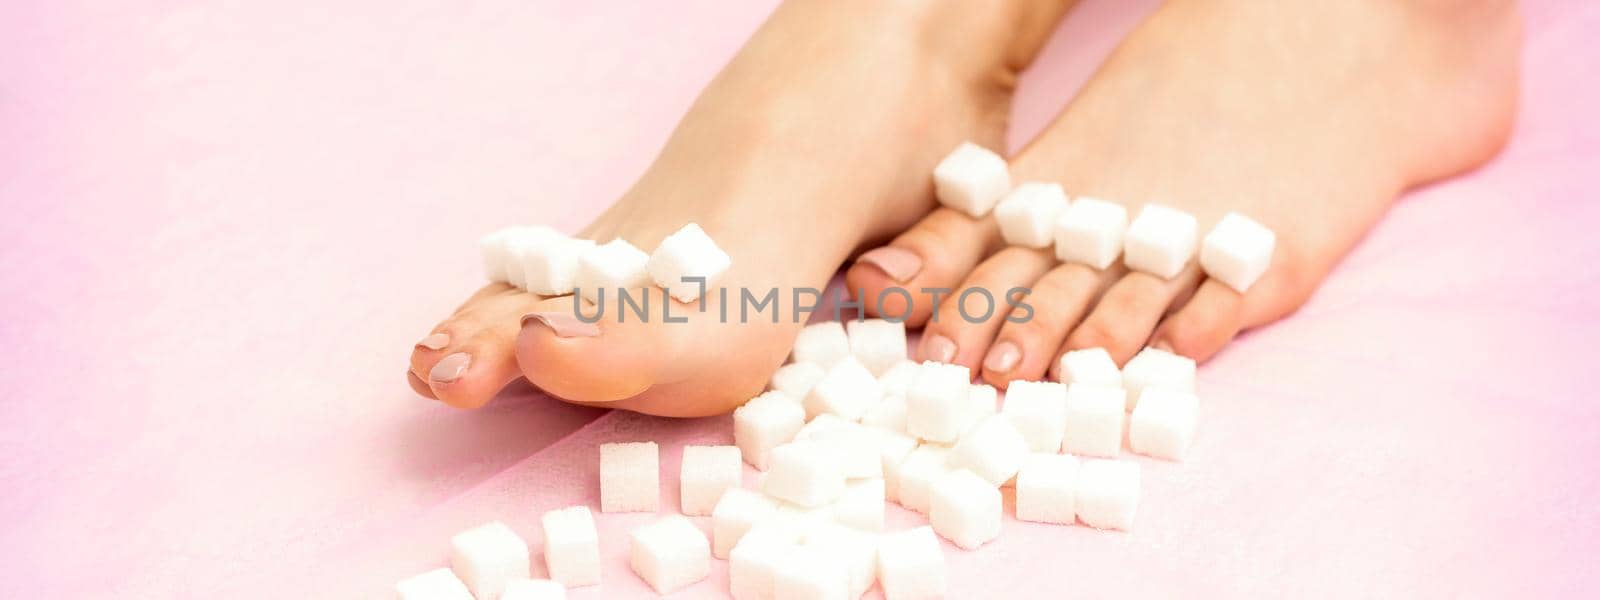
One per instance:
(898, 263)
(938, 348)
(563, 324)
(450, 368)
(435, 341)
(1002, 358)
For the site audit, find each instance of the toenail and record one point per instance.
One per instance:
(435, 341)
(450, 368)
(898, 263)
(1002, 358)
(1162, 344)
(563, 324)
(938, 348)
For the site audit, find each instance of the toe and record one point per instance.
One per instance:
(1199, 329)
(470, 356)
(936, 253)
(965, 321)
(1026, 346)
(1125, 316)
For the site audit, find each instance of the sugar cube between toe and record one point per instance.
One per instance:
(1160, 241)
(1027, 216)
(971, 179)
(604, 271)
(1237, 251)
(1090, 231)
(687, 263)
(669, 554)
(553, 270)
(630, 477)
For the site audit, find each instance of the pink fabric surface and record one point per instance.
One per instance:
(225, 224)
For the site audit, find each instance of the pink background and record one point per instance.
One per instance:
(226, 222)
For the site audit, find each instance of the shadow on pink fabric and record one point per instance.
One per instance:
(226, 223)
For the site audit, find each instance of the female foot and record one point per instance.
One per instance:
(817, 138)
(1310, 117)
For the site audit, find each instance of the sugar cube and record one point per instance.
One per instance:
(553, 270)
(965, 509)
(1163, 424)
(812, 573)
(797, 379)
(1237, 251)
(936, 401)
(630, 477)
(438, 584)
(1094, 420)
(487, 556)
(1027, 216)
(861, 505)
(992, 450)
(533, 589)
(571, 546)
(856, 447)
(687, 254)
(705, 473)
(669, 554)
(879, 344)
(804, 472)
(1107, 493)
(889, 413)
(737, 511)
(971, 179)
(847, 390)
(893, 447)
(1090, 232)
(917, 474)
(911, 565)
(613, 266)
(754, 562)
(1046, 487)
(1153, 367)
(822, 424)
(800, 518)
(520, 246)
(823, 343)
(765, 422)
(1160, 241)
(1089, 365)
(491, 248)
(858, 549)
(898, 378)
(982, 400)
(1038, 409)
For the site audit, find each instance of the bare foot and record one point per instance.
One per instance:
(1310, 117)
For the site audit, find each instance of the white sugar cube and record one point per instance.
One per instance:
(898, 378)
(607, 269)
(669, 554)
(823, 343)
(889, 413)
(487, 556)
(491, 248)
(812, 573)
(855, 446)
(911, 565)
(764, 423)
(1046, 487)
(571, 546)
(533, 589)
(847, 390)
(438, 584)
(1038, 409)
(797, 379)
(1153, 367)
(936, 402)
(861, 505)
(630, 477)
(925, 465)
(1237, 251)
(879, 344)
(800, 518)
(971, 179)
(858, 549)
(1107, 493)
(965, 509)
(822, 424)
(1089, 365)
(706, 472)
(1160, 241)
(1091, 232)
(982, 401)
(893, 447)
(1094, 420)
(687, 254)
(807, 473)
(738, 511)
(1163, 424)
(1027, 216)
(520, 246)
(992, 450)
(553, 270)
(754, 562)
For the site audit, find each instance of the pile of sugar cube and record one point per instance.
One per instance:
(541, 260)
(1094, 232)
